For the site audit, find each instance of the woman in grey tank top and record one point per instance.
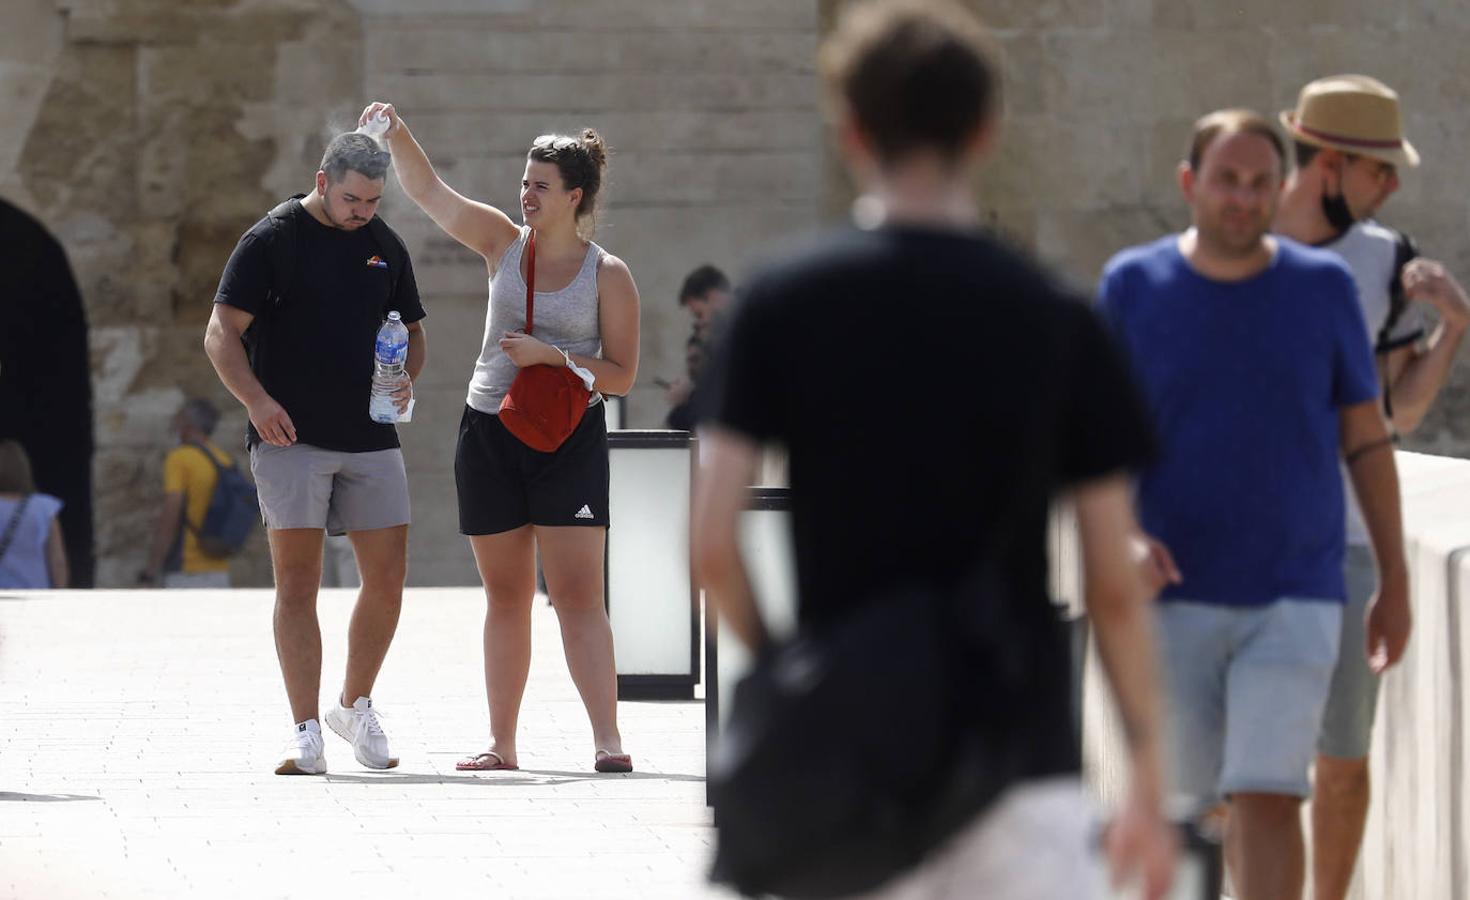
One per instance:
(514, 500)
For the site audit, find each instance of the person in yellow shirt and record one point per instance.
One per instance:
(189, 479)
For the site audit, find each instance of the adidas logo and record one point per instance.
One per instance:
(583, 513)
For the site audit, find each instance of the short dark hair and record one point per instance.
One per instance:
(1231, 121)
(356, 152)
(202, 414)
(915, 74)
(701, 281)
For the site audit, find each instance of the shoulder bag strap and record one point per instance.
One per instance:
(530, 279)
(1404, 251)
(219, 471)
(8, 537)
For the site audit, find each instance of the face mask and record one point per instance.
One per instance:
(1335, 208)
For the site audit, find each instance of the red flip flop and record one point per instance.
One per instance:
(485, 762)
(612, 762)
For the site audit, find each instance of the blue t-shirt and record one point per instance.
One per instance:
(1244, 380)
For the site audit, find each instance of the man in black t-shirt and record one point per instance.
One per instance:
(292, 336)
(935, 391)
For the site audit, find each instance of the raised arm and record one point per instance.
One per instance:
(479, 226)
(1416, 376)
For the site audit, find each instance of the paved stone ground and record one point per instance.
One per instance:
(138, 733)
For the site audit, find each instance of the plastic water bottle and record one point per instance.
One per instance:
(390, 354)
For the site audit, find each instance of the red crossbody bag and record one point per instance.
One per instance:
(545, 403)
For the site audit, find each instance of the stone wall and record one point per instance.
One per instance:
(709, 110)
(1101, 95)
(148, 134)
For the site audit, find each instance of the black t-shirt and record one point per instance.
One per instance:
(933, 390)
(312, 348)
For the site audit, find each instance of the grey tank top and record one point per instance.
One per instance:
(566, 319)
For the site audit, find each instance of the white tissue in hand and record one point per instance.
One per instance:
(585, 374)
(375, 126)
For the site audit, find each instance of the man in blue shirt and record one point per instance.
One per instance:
(1253, 357)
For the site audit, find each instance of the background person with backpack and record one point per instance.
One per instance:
(32, 552)
(189, 480)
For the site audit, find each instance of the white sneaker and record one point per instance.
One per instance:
(359, 726)
(303, 754)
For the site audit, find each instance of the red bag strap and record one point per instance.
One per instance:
(530, 279)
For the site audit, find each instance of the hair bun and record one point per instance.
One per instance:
(592, 142)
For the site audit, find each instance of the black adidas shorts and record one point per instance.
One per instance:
(503, 484)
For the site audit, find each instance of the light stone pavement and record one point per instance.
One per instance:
(139, 731)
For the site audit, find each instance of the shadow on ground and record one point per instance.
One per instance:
(11, 797)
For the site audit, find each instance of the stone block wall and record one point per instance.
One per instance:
(709, 110)
(149, 134)
(1101, 95)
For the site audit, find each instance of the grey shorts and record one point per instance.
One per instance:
(1347, 723)
(1246, 687)
(302, 486)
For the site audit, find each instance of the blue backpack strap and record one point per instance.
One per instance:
(219, 470)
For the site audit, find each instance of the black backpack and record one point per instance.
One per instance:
(232, 512)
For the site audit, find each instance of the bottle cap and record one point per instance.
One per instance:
(393, 316)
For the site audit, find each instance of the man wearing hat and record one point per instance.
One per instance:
(1349, 145)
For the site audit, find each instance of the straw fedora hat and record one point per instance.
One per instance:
(1354, 114)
